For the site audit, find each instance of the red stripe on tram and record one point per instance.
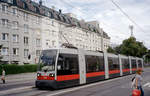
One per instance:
(134, 69)
(45, 78)
(67, 77)
(114, 71)
(94, 74)
(126, 70)
(76, 76)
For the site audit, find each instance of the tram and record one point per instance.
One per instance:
(64, 67)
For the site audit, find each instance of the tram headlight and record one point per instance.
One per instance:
(51, 75)
(38, 74)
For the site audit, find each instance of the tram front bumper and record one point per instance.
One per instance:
(46, 84)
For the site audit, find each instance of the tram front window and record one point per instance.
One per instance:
(47, 60)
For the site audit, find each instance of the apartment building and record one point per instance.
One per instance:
(27, 27)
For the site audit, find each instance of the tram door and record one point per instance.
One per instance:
(82, 67)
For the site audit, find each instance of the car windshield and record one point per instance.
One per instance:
(47, 60)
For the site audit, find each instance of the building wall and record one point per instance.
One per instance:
(16, 26)
(27, 33)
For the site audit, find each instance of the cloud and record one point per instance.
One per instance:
(110, 17)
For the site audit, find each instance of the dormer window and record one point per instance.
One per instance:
(10, 1)
(37, 9)
(14, 10)
(69, 20)
(58, 17)
(64, 19)
(78, 24)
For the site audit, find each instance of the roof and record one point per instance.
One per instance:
(34, 7)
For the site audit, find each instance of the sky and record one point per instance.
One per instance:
(111, 19)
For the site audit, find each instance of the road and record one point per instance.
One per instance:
(113, 87)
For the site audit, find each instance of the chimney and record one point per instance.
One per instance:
(40, 2)
(60, 11)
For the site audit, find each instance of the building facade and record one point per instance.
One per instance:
(27, 27)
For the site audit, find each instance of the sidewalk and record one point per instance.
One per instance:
(21, 77)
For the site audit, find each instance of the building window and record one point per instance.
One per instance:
(14, 11)
(4, 51)
(47, 42)
(5, 22)
(4, 8)
(15, 25)
(5, 36)
(15, 38)
(25, 16)
(38, 42)
(15, 51)
(26, 52)
(53, 32)
(26, 28)
(38, 52)
(10, 1)
(38, 20)
(53, 43)
(52, 23)
(26, 40)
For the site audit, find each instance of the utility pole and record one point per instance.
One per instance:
(131, 28)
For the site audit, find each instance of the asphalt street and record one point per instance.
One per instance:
(113, 87)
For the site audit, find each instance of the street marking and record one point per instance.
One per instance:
(147, 84)
(84, 86)
(15, 89)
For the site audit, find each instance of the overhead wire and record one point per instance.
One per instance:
(86, 13)
(124, 13)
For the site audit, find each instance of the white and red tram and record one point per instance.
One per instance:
(59, 68)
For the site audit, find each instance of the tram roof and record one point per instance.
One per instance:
(88, 52)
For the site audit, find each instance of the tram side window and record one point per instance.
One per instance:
(133, 62)
(125, 63)
(140, 63)
(113, 63)
(67, 64)
(94, 63)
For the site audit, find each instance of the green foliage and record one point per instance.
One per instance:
(111, 50)
(15, 69)
(131, 47)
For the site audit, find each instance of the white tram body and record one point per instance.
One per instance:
(59, 68)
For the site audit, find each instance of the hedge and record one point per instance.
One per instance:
(15, 69)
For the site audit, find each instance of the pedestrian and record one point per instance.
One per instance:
(3, 76)
(138, 81)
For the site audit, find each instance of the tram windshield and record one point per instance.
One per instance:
(47, 60)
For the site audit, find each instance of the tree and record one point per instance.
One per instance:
(132, 47)
(111, 50)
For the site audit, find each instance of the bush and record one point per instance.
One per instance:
(15, 69)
